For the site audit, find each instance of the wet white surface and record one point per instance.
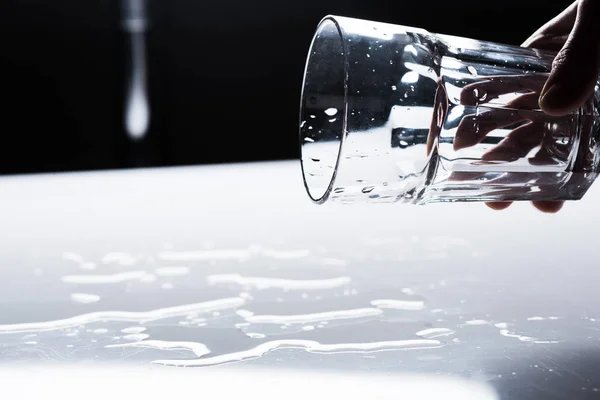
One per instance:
(232, 270)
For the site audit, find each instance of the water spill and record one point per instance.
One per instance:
(232, 254)
(285, 254)
(477, 322)
(198, 349)
(133, 329)
(315, 317)
(104, 279)
(136, 336)
(435, 332)
(172, 271)
(85, 298)
(261, 283)
(205, 255)
(253, 335)
(125, 316)
(79, 260)
(523, 338)
(399, 304)
(120, 258)
(244, 313)
(306, 345)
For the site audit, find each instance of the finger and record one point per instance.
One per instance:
(575, 68)
(472, 129)
(559, 26)
(517, 144)
(498, 205)
(548, 206)
(493, 87)
(527, 101)
(554, 43)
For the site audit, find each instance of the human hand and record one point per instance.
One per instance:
(528, 129)
(575, 34)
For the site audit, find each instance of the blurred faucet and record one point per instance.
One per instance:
(137, 107)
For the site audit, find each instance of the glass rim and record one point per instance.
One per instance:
(327, 19)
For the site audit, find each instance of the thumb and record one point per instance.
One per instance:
(575, 68)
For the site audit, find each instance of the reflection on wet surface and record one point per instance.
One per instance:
(453, 289)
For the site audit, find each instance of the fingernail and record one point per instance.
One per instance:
(546, 97)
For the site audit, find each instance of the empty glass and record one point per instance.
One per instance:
(391, 113)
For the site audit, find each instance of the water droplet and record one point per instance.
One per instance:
(405, 95)
(338, 190)
(368, 55)
(302, 124)
(476, 92)
(333, 120)
(316, 159)
(391, 62)
(373, 69)
(307, 139)
(331, 111)
(368, 189)
(313, 116)
(472, 70)
(394, 87)
(403, 143)
(410, 77)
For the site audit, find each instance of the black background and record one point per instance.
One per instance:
(224, 75)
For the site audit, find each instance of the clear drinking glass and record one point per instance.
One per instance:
(391, 113)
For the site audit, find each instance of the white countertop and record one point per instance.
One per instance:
(132, 273)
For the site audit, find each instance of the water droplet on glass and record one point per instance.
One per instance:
(368, 55)
(333, 120)
(316, 159)
(394, 87)
(302, 124)
(410, 77)
(476, 93)
(472, 70)
(310, 127)
(391, 62)
(338, 190)
(405, 95)
(403, 143)
(331, 111)
(307, 139)
(313, 116)
(368, 189)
